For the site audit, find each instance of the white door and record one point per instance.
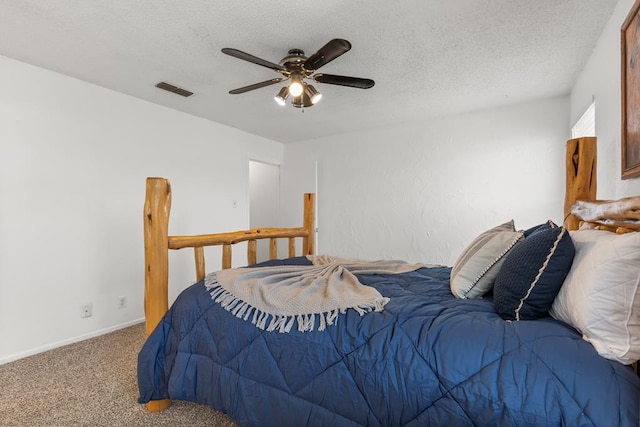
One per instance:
(264, 201)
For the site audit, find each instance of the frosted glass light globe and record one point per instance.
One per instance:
(295, 88)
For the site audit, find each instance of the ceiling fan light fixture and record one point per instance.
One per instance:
(296, 69)
(281, 97)
(296, 88)
(313, 94)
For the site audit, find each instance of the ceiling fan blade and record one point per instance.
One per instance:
(332, 79)
(248, 57)
(257, 85)
(327, 53)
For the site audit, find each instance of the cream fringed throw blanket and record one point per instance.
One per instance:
(274, 298)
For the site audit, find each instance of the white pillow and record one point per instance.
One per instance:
(476, 268)
(599, 296)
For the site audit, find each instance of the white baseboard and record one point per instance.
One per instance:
(16, 356)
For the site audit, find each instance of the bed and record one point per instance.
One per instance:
(438, 349)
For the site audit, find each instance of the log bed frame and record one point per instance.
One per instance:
(580, 186)
(157, 244)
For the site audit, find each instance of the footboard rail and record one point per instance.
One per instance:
(226, 240)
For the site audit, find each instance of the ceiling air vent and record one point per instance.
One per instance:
(174, 89)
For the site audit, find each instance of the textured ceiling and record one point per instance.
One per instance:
(427, 57)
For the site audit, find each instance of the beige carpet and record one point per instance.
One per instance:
(90, 383)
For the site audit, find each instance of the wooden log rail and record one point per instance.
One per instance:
(228, 239)
(618, 216)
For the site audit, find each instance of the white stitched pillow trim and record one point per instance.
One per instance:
(540, 271)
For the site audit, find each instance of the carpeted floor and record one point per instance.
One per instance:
(90, 383)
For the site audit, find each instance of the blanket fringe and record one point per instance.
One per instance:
(283, 324)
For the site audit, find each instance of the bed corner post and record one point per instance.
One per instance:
(157, 205)
(309, 223)
(581, 169)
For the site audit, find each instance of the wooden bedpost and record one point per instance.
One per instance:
(309, 223)
(157, 206)
(581, 165)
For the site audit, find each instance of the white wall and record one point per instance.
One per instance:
(423, 191)
(600, 80)
(73, 163)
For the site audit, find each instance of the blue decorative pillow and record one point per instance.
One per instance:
(532, 274)
(544, 226)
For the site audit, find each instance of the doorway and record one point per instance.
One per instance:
(264, 201)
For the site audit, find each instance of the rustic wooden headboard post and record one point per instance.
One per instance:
(581, 165)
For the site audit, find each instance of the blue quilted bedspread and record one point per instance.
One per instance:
(427, 360)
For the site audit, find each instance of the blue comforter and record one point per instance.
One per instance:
(427, 359)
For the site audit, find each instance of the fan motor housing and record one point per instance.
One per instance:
(295, 58)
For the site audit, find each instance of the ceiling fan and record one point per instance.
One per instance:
(297, 68)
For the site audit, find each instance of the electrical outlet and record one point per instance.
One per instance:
(85, 310)
(122, 302)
